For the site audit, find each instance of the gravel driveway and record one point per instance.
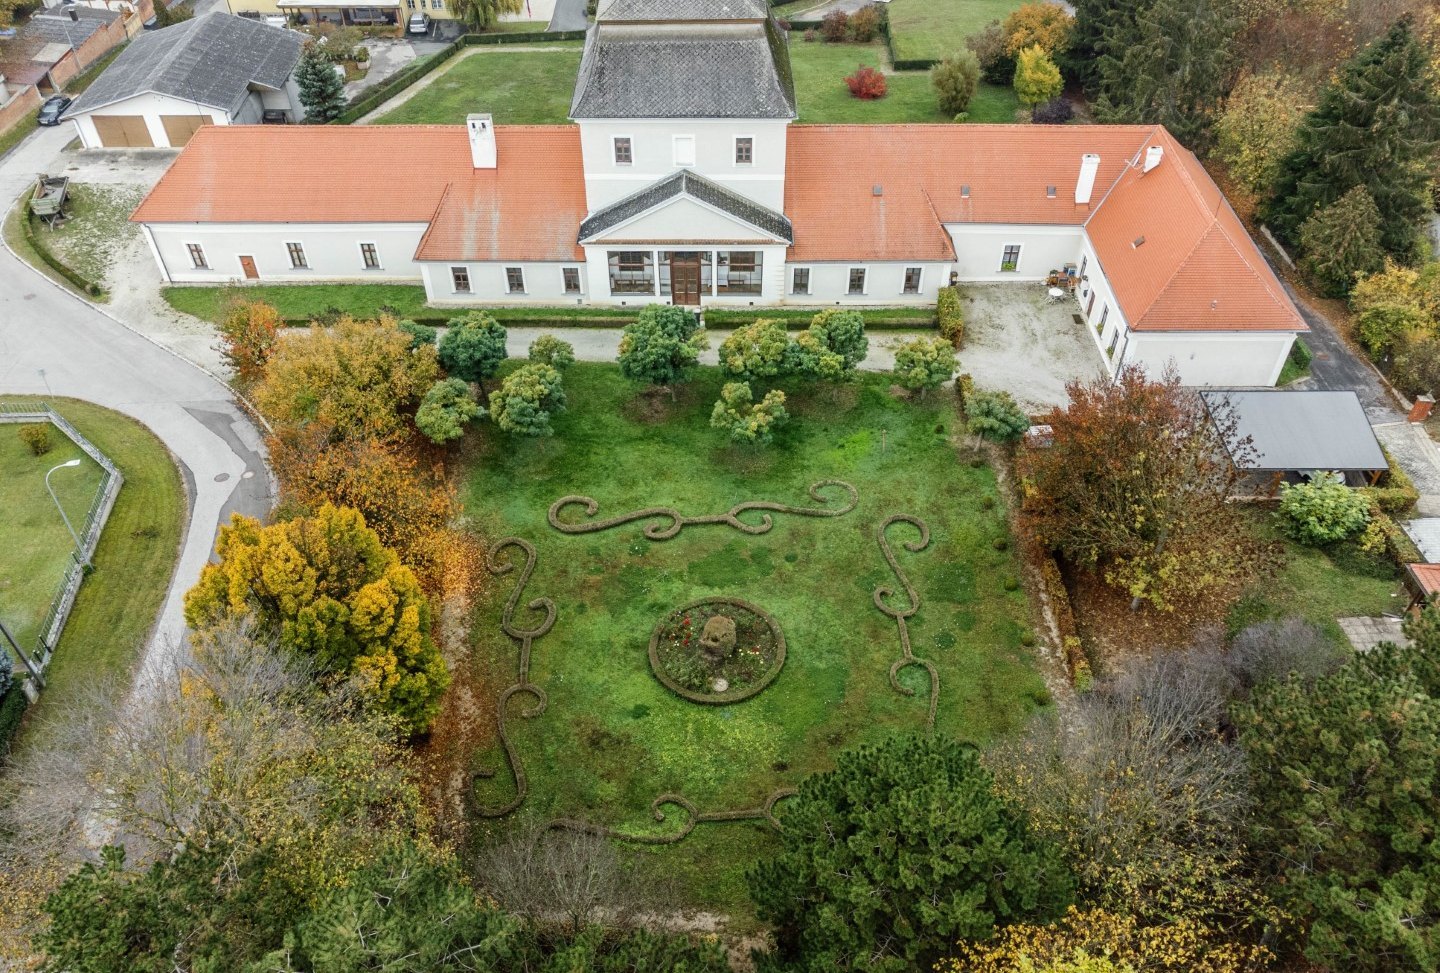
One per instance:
(1018, 341)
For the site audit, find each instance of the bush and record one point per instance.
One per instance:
(1056, 111)
(1257, 128)
(924, 364)
(662, 346)
(13, 704)
(864, 25)
(1037, 79)
(1323, 511)
(758, 350)
(446, 410)
(996, 64)
(550, 350)
(842, 333)
(949, 316)
(421, 335)
(1041, 24)
(996, 417)
(249, 334)
(1415, 365)
(835, 27)
(527, 399)
(1382, 326)
(746, 420)
(36, 436)
(473, 348)
(955, 80)
(867, 84)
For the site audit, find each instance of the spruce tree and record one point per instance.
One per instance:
(321, 90)
(1378, 126)
(1342, 241)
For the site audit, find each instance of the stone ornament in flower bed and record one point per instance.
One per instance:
(717, 651)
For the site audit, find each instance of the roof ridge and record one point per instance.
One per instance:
(434, 218)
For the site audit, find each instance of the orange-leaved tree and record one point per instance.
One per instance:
(249, 335)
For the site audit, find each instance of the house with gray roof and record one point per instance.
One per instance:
(212, 70)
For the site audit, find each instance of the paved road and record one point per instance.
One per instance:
(1338, 367)
(52, 343)
(569, 15)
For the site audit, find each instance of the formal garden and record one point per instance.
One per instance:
(719, 620)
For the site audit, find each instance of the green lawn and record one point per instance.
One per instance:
(820, 71)
(519, 86)
(613, 738)
(119, 601)
(934, 29)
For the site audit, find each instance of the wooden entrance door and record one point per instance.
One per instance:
(685, 278)
(247, 264)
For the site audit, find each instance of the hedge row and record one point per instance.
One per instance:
(877, 319)
(12, 710)
(949, 317)
(903, 64)
(512, 321)
(1058, 596)
(78, 280)
(1398, 494)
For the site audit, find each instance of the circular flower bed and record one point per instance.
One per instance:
(694, 654)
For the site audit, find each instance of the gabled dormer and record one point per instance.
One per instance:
(666, 85)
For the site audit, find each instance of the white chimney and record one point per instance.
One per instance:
(482, 140)
(1085, 185)
(1153, 155)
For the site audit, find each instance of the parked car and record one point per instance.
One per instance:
(419, 24)
(53, 108)
(275, 20)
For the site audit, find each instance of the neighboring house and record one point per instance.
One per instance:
(685, 182)
(56, 44)
(361, 13)
(212, 70)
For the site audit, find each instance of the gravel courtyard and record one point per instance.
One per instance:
(1017, 341)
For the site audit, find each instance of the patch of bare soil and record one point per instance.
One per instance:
(657, 405)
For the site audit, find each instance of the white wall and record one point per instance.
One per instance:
(1233, 358)
(653, 151)
(884, 283)
(331, 250)
(544, 283)
(151, 106)
(979, 249)
(772, 270)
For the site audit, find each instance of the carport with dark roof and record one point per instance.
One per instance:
(1294, 432)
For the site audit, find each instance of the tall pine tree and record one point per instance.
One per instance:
(321, 90)
(1377, 126)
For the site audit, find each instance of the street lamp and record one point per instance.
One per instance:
(75, 537)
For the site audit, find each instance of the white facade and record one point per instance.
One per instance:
(154, 107)
(490, 283)
(981, 249)
(883, 284)
(657, 148)
(1222, 358)
(330, 251)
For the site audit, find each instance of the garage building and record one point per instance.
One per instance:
(213, 70)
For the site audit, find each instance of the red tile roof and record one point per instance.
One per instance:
(1427, 576)
(386, 174)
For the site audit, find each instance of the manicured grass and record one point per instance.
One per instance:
(518, 87)
(518, 27)
(136, 556)
(935, 29)
(300, 303)
(820, 71)
(613, 738)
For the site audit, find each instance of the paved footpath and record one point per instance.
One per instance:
(52, 343)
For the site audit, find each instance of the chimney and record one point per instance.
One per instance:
(1085, 185)
(482, 140)
(1153, 155)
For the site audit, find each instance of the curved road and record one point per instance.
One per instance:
(52, 343)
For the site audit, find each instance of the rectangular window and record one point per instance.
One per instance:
(632, 272)
(515, 280)
(684, 150)
(857, 280)
(571, 276)
(1114, 340)
(297, 255)
(800, 283)
(370, 256)
(460, 279)
(912, 280)
(744, 151)
(1011, 260)
(197, 255)
(1104, 316)
(1084, 262)
(624, 155)
(740, 272)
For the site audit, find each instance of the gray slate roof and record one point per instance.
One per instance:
(687, 183)
(1292, 431)
(56, 26)
(210, 60)
(663, 10)
(740, 71)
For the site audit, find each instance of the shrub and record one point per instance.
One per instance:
(7, 672)
(924, 364)
(835, 27)
(867, 84)
(1257, 128)
(864, 25)
(249, 334)
(949, 316)
(842, 333)
(13, 704)
(1397, 494)
(473, 348)
(746, 420)
(1323, 511)
(421, 335)
(36, 436)
(996, 417)
(955, 80)
(662, 346)
(1038, 24)
(1415, 366)
(996, 65)
(859, 884)
(1056, 111)
(1397, 284)
(1037, 79)
(1383, 326)
(550, 350)
(446, 410)
(758, 350)
(527, 399)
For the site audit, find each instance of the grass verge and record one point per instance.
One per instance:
(17, 240)
(930, 30)
(520, 87)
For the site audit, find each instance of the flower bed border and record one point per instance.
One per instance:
(729, 696)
